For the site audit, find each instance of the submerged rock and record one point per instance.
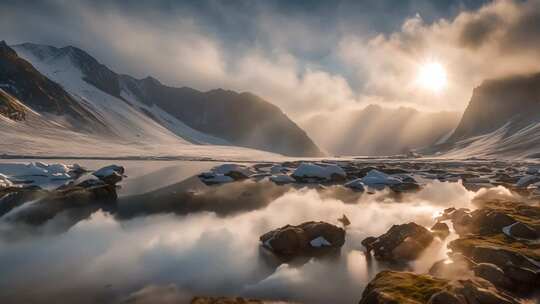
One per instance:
(306, 239)
(400, 243)
(392, 287)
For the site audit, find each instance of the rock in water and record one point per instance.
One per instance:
(441, 230)
(400, 243)
(344, 220)
(307, 239)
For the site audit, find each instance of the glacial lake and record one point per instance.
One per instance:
(170, 237)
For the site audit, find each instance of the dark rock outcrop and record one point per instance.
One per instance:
(400, 243)
(306, 239)
(507, 260)
(21, 80)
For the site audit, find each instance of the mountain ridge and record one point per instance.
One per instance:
(241, 121)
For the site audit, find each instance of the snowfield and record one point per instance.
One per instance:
(134, 134)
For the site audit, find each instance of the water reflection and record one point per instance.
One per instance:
(170, 243)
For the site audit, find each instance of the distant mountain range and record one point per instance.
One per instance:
(67, 89)
(501, 120)
(54, 100)
(376, 130)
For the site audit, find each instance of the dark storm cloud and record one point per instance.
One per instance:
(477, 31)
(525, 33)
(513, 30)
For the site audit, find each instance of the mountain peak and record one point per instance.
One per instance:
(5, 49)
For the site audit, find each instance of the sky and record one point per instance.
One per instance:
(307, 57)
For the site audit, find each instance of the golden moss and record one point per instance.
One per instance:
(407, 287)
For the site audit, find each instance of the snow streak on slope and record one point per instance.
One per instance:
(501, 143)
(125, 120)
(172, 123)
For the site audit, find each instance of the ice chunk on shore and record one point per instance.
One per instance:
(39, 173)
(231, 169)
(282, 179)
(356, 184)
(377, 179)
(327, 172)
(4, 182)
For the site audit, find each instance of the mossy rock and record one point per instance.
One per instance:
(402, 287)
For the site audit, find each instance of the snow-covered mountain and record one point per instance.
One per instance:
(501, 120)
(376, 130)
(86, 99)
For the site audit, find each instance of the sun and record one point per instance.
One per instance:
(432, 77)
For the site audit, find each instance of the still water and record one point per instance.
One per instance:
(170, 237)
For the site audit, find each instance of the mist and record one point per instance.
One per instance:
(163, 258)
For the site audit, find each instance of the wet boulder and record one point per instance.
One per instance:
(306, 239)
(457, 265)
(492, 273)
(441, 230)
(520, 231)
(400, 243)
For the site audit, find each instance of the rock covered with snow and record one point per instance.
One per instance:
(39, 173)
(308, 172)
(111, 174)
(4, 182)
(306, 239)
(376, 179)
(356, 185)
(226, 173)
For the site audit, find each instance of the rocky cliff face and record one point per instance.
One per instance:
(11, 107)
(502, 120)
(241, 118)
(19, 79)
(514, 101)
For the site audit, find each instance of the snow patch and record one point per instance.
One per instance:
(319, 242)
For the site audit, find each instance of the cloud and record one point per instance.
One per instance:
(164, 258)
(498, 39)
(344, 58)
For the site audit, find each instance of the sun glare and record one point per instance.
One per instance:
(432, 76)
